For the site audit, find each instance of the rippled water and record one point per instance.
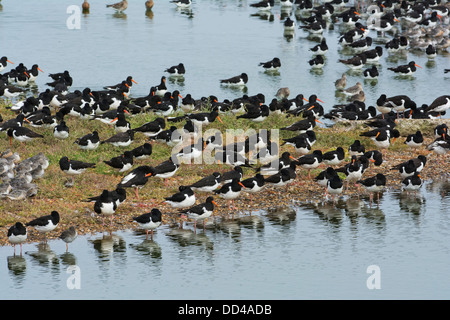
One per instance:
(314, 251)
(317, 252)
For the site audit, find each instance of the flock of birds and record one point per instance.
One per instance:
(113, 105)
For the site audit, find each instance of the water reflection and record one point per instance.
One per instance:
(439, 186)
(45, 256)
(186, 237)
(68, 259)
(17, 265)
(148, 248)
(281, 215)
(107, 244)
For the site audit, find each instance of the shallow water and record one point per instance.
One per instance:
(315, 251)
(320, 252)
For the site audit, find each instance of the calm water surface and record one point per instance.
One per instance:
(316, 252)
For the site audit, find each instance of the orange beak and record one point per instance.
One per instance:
(242, 185)
(124, 94)
(292, 158)
(395, 19)
(310, 108)
(393, 140)
(26, 120)
(318, 121)
(26, 74)
(10, 141)
(134, 81)
(40, 69)
(220, 165)
(180, 96)
(418, 66)
(320, 100)
(214, 203)
(218, 118)
(148, 174)
(377, 134)
(10, 62)
(90, 93)
(371, 160)
(114, 120)
(127, 85)
(356, 13)
(305, 99)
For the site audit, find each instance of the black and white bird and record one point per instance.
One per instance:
(17, 235)
(105, 205)
(440, 104)
(414, 140)
(310, 161)
(74, 167)
(240, 80)
(123, 162)
(335, 186)
(412, 183)
(263, 4)
(176, 71)
(321, 48)
(136, 178)
(254, 184)
(149, 221)
(121, 139)
(90, 141)
(208, 183)
(271, 65)
(230, 191)
(405, 70)
(200, 211)
(184, 198)
(374, 184)
(334, 157)
(152, 128)
(61, 131)
(143, 151)
(317, 62)
(45, 223)
(22, 134)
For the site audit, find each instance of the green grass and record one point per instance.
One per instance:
(52, 193)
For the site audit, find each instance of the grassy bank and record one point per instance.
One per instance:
(53, 195)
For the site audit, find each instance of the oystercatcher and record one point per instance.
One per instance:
(149, 221)
(166, 169)
(182, 3)
(185, 197)
(161, 88)
(230, 191)
(90, 141)
(254, 184)
(143, 151)
(414, 140)
(208, 183)
(45, 223)
(136, 178)
(373, 185)
(440, 104)
(356, 148)
(177, 70)
(22, 134)
(310, 161)
(105, 205)
(271, 65)
(68, 236)
(119, 195)
(74, 167)
(412, 183)
(191, 152)
(405, 70)
(263, 4)
(356, 62)
(121, 139)
(335, 186)
(204, 118)
(240, 80)
(201, 211)
(4, 62)
(334, 157)
(17, 234)
(283, 177)
(371, 73)
(256, 113)
(124, 162)
(317, 62)
(152, 128)
(321, 48)
(61, 131)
